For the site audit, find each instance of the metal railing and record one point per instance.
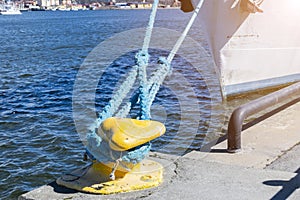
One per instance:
(237, 118)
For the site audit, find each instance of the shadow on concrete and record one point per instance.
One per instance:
(219, 151)
(288, 187)
(208, 147)
(61, 189)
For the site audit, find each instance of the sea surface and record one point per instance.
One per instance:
(41, 55)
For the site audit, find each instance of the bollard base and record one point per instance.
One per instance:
(95, 178)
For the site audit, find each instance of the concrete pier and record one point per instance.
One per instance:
(268, 167)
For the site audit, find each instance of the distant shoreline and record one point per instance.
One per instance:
(116, 8)
(100, 8)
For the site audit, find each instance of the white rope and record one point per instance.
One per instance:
(150, 26)
(165, 64)
(185, 32)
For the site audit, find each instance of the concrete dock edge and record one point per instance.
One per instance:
(268, 167)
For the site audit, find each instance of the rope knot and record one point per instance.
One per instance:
(142, 58)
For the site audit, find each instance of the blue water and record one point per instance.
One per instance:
(40, 55)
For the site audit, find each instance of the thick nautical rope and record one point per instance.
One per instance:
(142, 60)
(147, 92)
(98, 149)
(165, 63)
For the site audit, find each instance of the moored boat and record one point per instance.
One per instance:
(255, 43)
(9, 9)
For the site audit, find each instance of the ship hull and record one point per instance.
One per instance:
(253, 50)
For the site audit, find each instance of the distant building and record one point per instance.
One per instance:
(66, 2)
(49, 3)
(143, 5)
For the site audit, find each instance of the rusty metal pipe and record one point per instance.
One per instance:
(241, 113)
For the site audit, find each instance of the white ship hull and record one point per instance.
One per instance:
(254, 50)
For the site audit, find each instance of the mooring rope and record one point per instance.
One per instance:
(115, 102)
(185, 32)
(165, 63)
(142, 58)
(149, 29)
(99, 149)
(96, 147)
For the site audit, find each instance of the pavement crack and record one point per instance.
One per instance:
(280, 156)
(145, 195)
(176, 168)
